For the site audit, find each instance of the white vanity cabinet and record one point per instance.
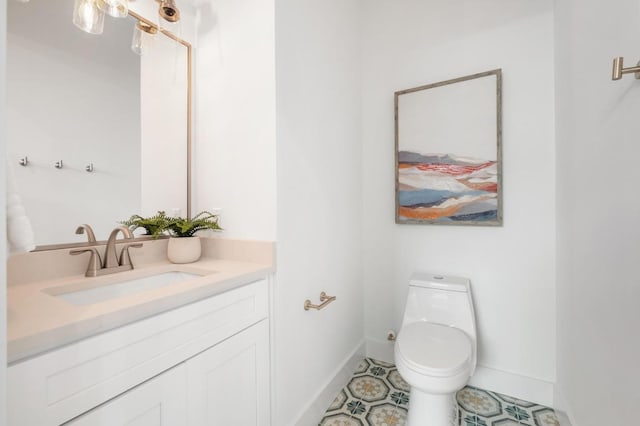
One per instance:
(159, 401)
(202, 364)
(229, 383)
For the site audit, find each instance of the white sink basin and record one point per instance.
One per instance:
(124, 288)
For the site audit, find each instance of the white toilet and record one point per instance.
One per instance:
(435, 351)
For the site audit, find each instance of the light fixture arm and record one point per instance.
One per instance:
(149, 29)
(619, 70)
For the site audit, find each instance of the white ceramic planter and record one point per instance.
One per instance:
(184, 250)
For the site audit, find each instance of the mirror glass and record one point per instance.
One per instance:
(103, 130)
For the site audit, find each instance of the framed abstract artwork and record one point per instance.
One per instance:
(448, 152)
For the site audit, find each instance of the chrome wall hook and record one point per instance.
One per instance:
(24, 161)
(89, 167)
(619, 69)
(58, 164)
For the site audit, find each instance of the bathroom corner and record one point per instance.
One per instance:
(512, 268)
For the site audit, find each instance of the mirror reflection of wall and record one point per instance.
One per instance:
(78, 98)
(164, 128)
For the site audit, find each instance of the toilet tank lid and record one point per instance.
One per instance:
(442, 282)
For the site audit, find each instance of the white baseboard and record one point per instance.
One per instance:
(563, 413)
(562, 417)
(522, 387)
(515, 385)
(318, 406)
(382, 350)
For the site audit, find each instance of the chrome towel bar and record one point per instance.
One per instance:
(323, 298)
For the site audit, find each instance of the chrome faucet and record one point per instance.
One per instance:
(112, 262)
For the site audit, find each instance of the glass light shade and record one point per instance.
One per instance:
(115, 8)
(142, 38)
(88, 17)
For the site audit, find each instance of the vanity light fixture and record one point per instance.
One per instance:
(143, 35)
(619, 69)
(115, 8)
(168, 10)
(88, 16)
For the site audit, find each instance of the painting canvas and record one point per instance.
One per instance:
(448, 152)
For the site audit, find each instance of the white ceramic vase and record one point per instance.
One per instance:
(184, 249)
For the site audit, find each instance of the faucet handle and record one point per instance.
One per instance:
(126, 260)
(95, 263)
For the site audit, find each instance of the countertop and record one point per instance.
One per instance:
(39, 321)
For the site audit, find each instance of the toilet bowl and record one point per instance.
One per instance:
(435, 351)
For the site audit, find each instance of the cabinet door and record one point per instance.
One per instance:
(159, 401)
(228, 384)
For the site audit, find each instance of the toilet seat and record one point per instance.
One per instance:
(434, 350)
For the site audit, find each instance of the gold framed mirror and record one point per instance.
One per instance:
(140, 171)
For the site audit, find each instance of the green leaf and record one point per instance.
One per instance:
(154, 225)
(177, 226)
(183, 227)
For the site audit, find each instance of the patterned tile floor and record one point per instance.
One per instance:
(377, 395)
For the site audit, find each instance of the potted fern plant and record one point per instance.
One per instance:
(185, 246)
(154, 225)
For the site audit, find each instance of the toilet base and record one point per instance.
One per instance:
(431, 409)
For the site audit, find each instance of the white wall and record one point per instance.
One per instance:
(163, 105)
(235, 167)
(163, 127)
(319, 196)
(3, 231)
(410, 43)
(598, 210)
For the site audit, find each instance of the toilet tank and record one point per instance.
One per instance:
(440, 299)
